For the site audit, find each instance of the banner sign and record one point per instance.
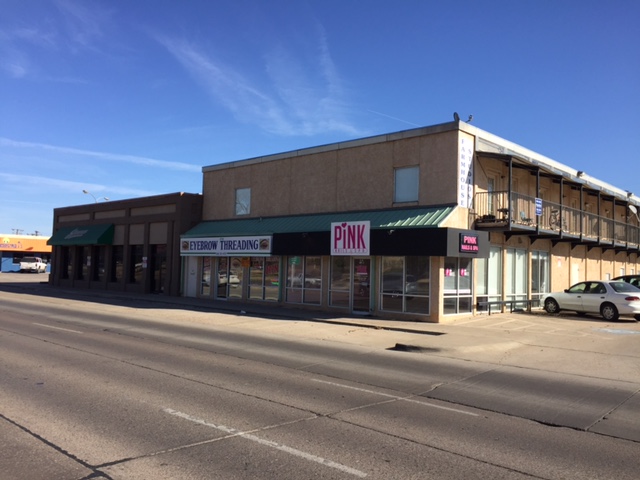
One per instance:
(226, 246)
(465, 168)
(350, 238)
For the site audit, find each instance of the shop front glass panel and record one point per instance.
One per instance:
(99, 267)
(304, 280)
(223, 278)
(539, 274)
(67, 266)
(417, 285)
(158, 266)
(135, 264)
(392, 284)
(489, 275)
(256, 278)
(271, 279)
(235, 279)
(516, 287)
(117, 263)
(361, 284)
(457, 285)
(340, 287)
(205, 284)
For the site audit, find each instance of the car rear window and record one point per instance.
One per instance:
(621, 287)
(29, 259)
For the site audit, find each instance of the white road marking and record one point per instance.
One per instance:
(58, 328)
(268, 443)
(396, 397)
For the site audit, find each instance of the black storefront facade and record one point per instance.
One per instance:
(395, 263)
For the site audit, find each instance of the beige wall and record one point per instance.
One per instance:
(336, 178)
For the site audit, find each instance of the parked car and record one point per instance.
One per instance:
(632, 279)
(32, 264)
(608, 298)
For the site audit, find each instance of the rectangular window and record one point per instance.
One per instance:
(405, 284)
(304, 280)
(117, 267)
(243, 201)
(406, 184)
(264, 278)
(340, 286)
(516, 275)
(539, 274)
(205, 284)
(457, 285)
(135, 264)
(489, 276)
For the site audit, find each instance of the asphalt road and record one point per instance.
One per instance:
(129, 390)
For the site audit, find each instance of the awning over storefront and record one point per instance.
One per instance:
(430, 217)
(83, 235)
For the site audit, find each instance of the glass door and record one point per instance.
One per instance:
(361, 285)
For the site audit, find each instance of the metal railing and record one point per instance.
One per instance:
(498, 209)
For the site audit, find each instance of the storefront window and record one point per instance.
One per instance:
(264, 278)
(97, 264)
(516, 275)
(205, 284)
(304, 280)
(223, 277)
(234, 281)
(135, 264)
(117, 268)
(539, 274)
(489, 276)
(340, 287)
(67, 266)
(405, 284)
(457, 285)
(84, 259)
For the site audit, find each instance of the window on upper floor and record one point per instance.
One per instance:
(243, 201)
(406, 184)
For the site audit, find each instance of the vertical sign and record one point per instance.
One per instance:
(538, 206)
(350, 238)
(465, 169)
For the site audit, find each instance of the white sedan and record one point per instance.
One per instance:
(608, 298)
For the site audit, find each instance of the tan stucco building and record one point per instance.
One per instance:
(445, 220)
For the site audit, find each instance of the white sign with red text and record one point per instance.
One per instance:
(350, 238)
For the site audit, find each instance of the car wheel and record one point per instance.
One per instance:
(609, 312)
(551, 306)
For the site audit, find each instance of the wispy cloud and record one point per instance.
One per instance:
(151, 162)
(32, 182)
(295, 101)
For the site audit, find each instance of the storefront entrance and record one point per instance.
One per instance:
(350, 285)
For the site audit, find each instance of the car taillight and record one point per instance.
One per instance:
(632, 299)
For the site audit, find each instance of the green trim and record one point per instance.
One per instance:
(83, 235)
(431, 217)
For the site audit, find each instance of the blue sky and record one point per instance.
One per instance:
(132, 98)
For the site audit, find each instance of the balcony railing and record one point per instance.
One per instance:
(497, 210)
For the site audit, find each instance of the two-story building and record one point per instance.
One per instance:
(423, 224)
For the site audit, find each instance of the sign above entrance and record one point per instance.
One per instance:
(350, 238)
(469, 243)
(226, 246)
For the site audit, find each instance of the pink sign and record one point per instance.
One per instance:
(350, 238)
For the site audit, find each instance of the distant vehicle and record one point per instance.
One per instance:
(632, 279)
(33, 265)
(608, 298)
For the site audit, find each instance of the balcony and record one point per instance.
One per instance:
(516, 215)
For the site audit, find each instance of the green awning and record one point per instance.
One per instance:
(425, 217)
(83, 235)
